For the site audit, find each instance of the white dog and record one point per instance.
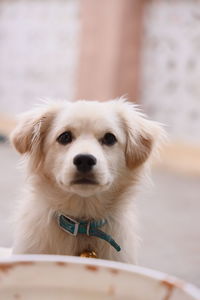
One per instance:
(84, 160)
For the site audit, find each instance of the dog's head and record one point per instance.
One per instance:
(86, 147)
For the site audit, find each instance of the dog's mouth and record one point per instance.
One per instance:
(84, 181)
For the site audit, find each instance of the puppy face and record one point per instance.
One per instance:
(85, 147)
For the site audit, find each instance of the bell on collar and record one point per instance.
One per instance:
(89, 254)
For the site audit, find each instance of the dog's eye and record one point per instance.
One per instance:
(109, 139)
(65, 138)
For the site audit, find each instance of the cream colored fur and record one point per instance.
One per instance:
(50, 172)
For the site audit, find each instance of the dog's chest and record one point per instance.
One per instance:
(78, 245)
(66, 244)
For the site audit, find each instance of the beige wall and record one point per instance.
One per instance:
(170, 82)
(44, 54)
(38, 52)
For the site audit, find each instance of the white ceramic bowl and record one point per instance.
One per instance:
(30, 277)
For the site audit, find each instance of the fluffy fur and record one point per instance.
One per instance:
(50, 172)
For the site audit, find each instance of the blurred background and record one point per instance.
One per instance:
(145, 50)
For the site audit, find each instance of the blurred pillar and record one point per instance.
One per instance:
(109, 49)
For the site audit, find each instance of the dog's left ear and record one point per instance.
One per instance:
(29, 134)
(142, 136)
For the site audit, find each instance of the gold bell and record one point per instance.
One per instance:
(89, 254)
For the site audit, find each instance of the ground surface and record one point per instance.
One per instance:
(169, 218)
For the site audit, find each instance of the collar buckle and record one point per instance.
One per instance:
(88, 228)
(70, 220)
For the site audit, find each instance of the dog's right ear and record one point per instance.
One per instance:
(30, 131)
(143, 136)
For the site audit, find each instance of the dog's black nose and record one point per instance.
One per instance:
(84, 162)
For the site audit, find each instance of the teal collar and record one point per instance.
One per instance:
(90, 228)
